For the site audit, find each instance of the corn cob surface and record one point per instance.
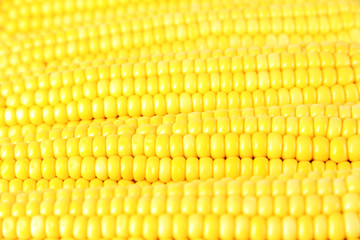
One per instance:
(155, 119)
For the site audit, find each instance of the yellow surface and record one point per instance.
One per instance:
(180, 119)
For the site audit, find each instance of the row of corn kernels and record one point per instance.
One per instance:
(47, 16)
(196, 28)
(146, 54)
(30, 59)
(203, 76)
(159, 104)
(217, 145)
(150, 169)
(265, 199)
(180, 226)
(164, 44)
(272, 119)
(316, 126)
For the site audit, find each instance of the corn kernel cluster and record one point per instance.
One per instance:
(168, 119)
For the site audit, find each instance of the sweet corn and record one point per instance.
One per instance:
(312, 50)
(81, 108)
(221, 119)
(146, 54)
(217, 32)
(81, 172)
(262, 117)
(211, 122)
(215, 135)
(298, 141)
(236, 72)
(226, 60)
(229, 207)
(194, 88)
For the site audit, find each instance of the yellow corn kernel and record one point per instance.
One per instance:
(179, 119)
(97, 199)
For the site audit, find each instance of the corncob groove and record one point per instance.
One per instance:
(127, 119)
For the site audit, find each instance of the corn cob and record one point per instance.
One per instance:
(127, 119)
(150, 54)
(293, 80)
(77, 172)
(210, 135)
(316, 120)
(310, 55)
(180, 226)
(29, 185)
(217, 145)
(241, 188)
(17, 185)
(314, 126)
(223, 10)
(210, 42)
(178, 39)
(307, 203)
(182, 93)
(173, 103)
(144, 54)
(297, 8)
(303, 68)
(202, 24)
